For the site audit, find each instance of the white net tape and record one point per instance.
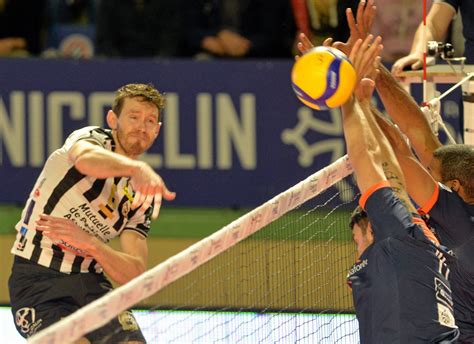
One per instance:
(101, 311)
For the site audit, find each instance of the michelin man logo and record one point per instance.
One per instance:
(308, 152)
(25, 319)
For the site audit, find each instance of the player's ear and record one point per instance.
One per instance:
(455, 185)
(111, 120)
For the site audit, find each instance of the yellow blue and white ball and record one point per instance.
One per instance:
(323, 78)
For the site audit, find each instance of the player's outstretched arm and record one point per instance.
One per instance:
(408, 116)
(437, 23)
(420, 185)
(362, 147)
(95, 161)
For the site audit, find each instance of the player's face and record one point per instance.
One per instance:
(137, 126)
(362, 240)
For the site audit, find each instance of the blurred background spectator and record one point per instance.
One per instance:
(396, 21)
(320, 19)
(21, 27)
(238, 28)
(139, 28)
(71, 28)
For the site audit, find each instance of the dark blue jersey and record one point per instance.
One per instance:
(466, 8)
(400, 289)
(452, 219)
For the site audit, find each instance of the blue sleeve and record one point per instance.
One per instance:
(452, 214)
(454, 3)
(387, 215)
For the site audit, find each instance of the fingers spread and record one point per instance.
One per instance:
(138, 199)
(156, 207)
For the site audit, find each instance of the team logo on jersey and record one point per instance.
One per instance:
(128, 322)
(107, 210)
(25, 319)
(125, 209)
(20, 246)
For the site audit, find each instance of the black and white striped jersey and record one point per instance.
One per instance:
(101, 207)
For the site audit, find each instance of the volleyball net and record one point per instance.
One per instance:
(275, 274)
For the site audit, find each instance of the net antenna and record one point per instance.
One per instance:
(101, 311)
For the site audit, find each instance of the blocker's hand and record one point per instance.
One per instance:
(365, 57)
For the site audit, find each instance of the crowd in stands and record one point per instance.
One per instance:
(190, 28)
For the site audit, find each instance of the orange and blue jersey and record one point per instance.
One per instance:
(400, 289)
(452, 219)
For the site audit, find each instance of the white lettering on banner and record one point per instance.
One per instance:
(56, 102)
(12, 132)
(234, 134)
(243, 137)
(205, 129)
(36, 128)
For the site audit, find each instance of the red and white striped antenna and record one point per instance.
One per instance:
(424, 52)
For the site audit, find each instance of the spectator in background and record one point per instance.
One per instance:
(238, 28)
(71, 28)
(21, 27)
(438, 22)
(396, 24)
(72, 11)
(138, 28)
(320, 19)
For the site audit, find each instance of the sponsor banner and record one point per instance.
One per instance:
(233, 134)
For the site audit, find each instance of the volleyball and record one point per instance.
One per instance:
(323, 78)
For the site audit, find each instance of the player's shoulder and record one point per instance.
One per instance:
(94, 134)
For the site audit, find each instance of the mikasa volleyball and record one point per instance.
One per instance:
(323, 78)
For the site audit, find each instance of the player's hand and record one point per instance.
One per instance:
(359, 27)
(233, 43)
(303, 45)
(10, 44)
(149, 188)
(414, 60)
(59, 229)
(213, 45)
(365, 57)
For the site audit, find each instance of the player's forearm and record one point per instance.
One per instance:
(119, 266)
(406, 113)
(100, 163)
(361, 146)
(418, 44)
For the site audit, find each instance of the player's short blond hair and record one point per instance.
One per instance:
(147, 93)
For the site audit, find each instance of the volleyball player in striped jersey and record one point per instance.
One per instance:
(400, 288)
(90, 190)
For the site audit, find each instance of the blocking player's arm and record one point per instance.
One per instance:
(420, 185)
(362, 148)
(408, 116)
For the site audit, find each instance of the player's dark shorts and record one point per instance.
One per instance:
(40, 297)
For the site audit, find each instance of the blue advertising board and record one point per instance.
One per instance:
(233, 134)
